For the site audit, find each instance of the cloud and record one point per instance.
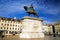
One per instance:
(49, 6)
(10, 8)
(48, 22)
(13, 6)
(52, 2)
(50, 9)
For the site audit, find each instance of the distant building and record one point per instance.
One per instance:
(10, 26)
(57, 27)
(47, 28)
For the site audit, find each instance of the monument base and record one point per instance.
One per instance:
(31, 28)
(31, 35)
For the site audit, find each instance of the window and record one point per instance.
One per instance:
(5, 21)
(7, 27)
(2, 20)
(11, 21)
(59, 29)
(13, 25)
(8, 21)
(1, 27)
(7, 32)
(4, 27)
(18, 28)
(10, 32)
(2, 24)
(15, 32)
(15, 28)
(14, 21)
(16, 25)
(18, 22)
(7, 24)
(10, 24)
(10, 28)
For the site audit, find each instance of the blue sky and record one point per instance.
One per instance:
(48, 10)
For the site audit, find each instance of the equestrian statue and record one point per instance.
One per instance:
(30, 10)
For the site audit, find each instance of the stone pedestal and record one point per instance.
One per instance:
(32, 28)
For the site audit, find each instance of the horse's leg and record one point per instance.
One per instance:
(36, 15)
(28, 14)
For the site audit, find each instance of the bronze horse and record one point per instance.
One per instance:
(30, 10)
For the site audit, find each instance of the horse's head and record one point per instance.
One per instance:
(25, 7)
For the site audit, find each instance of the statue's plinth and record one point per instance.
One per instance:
(32, 28)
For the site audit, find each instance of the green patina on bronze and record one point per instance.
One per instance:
(30, 10)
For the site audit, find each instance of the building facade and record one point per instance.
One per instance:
(57, 27)
(47, 28)
(10, 26)
(29, 24)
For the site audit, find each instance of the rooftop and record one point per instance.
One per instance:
(57, 23)
(9, 19)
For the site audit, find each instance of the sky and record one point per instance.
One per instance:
(48, 10)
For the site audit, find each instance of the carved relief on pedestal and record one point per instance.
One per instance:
(35, 27)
